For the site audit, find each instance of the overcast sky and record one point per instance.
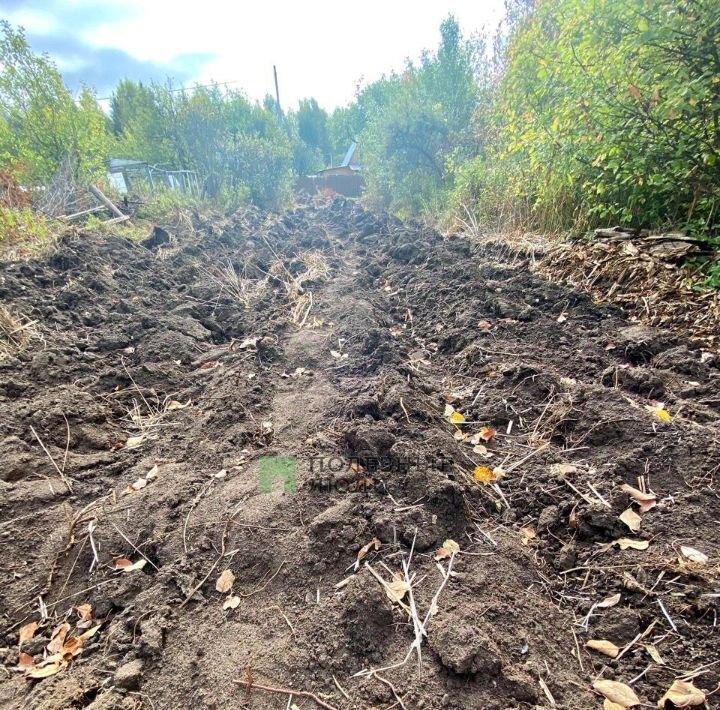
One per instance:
(322, 48)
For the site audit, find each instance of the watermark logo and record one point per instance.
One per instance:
(273, 468)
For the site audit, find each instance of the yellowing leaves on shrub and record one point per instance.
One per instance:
(483, 474)
(603, 646)
(225, 581)
(682, 695)
(616, 692)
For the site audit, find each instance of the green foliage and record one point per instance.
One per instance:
(416, 126)
(608, 112)
(40, 123)
(22, 228)
(240, 149)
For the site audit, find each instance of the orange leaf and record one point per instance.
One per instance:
(483, 474)
(57, 638)
(27, 632)
(84, 611)
(25, 660)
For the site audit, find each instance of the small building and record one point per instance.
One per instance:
(344, 179)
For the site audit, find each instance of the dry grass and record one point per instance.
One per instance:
(237, 285)
(16, 332)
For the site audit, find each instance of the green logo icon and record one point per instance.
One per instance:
(277, 467)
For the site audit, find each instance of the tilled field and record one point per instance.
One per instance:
(488, 467)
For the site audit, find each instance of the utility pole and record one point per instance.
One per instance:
(277, 94)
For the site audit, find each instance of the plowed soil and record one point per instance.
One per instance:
(159, 378)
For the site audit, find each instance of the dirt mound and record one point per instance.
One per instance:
(226, 452)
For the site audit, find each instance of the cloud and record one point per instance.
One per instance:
(104, 67)
(63, 29)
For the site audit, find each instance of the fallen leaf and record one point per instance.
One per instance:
(84, 611)
(152, 474)
(363, 551)
(619, 693)
(126, 565)
(27, 632)
(484, 325)
(134, 441)
(603, 646)
(483, 474)
(694, 555)
(609, 601)
(449, 409)
(563, 469)
(487, 433)
(209, 364)
(57, 638)
(89, 633)
(646, 501)
(397, 589)
(682, 695)
(139, 484)
(25, 660)
(654, 654)
(460, 435)
(562, 317)
(45, 671)
(225, 581)
(631, 519)
(527, 535)
(610, 705)
(625, 542)
(335, 353)
(660, 412)
(449, 547)
(232, 602)
(248, 343)
(456, 418)
(173, 404)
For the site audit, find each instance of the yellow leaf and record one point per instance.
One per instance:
(603, 646)
(45, 671)
(174, 404)
(616, 692)
(654, 654)
(661, 413)
(483, 474)
(225, 581)
(682, 695)
(397, 589)
(231, 602)
(631, 519)
(625, 543)
(456, 418)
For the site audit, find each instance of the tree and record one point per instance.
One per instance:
(40, 123)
